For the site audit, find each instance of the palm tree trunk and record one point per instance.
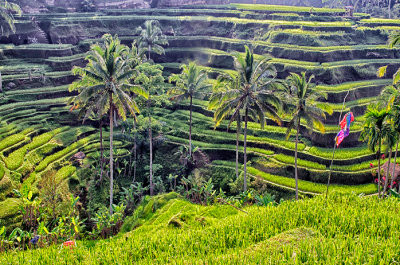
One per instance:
(387, 173)
(296, 176)
(151, 148)
(149, 49)
(245, 149)
(237, 145)
(394, 165)
(101, 151)
(190, 128)
(111, 154)
(379, 168)
(135, 151)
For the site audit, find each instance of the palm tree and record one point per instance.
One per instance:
(190, 83)
(150, 78)
(374, 130)
(7, 11)
(301, 101)
(253, 94)
(105, 83)
(151, 37)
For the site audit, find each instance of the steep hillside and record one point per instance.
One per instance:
(39, 134)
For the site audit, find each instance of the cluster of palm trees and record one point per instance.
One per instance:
(116, 76)
(382, 123)
(252, 92)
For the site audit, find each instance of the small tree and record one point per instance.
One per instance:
(374, 131)
(190, 83)
(151, 37)
(150, 77)
(301, 101)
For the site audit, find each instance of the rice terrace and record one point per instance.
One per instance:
(199, 132)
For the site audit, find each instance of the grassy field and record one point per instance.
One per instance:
(311, 231)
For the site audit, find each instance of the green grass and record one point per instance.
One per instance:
(300, 162)
(380, 21)
(11, 140)
(310, 186)
(73, 147)
(345, 229)
(353, 85)
(16, 158)
(286, 8)
(40, 102)
(342, 153)
(2, 171)
(65, 172)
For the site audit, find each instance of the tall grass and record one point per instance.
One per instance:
(346, 229)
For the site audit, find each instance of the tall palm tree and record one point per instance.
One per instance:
(374, 131)
(301, 101)
(192, 82)
(136, 57)
(254, 95)
(105, 82)
(7, 11)
(151, 37)
(150, 78)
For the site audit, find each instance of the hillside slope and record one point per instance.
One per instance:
(343, 53)
(346, 229)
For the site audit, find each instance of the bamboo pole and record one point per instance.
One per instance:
(334, 147)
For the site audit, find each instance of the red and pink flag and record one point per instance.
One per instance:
(345, 128)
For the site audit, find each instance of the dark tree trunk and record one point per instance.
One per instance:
(237, 146)
(111, 155)
(394, 165)
(134, 151)
(296, 176)
(101, 151)
(379, 168)
(245, 149)
(190, 128)
(151, 148)
(387, 173)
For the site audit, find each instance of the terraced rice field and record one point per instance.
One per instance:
(38, 134)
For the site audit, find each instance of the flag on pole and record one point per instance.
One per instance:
(345, 128)
(347, 120)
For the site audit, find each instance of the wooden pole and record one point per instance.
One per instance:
(334, 148)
